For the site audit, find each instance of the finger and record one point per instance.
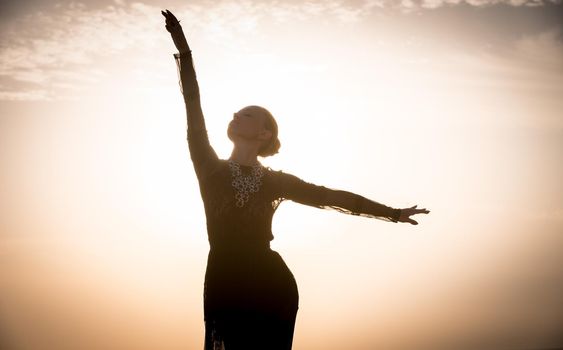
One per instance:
(171, 15)
(172, 20)
(413, 222)
(166, 16)
(414, 206)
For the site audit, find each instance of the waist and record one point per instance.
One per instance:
(234, 246)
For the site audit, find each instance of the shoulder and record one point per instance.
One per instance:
(276, 173)
(281, 178)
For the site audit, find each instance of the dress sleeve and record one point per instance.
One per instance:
(203, 155)
(293, 188)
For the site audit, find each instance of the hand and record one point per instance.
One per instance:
(175, 29)
(407, 212)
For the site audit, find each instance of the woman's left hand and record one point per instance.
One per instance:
(407, 212)
(175, 29)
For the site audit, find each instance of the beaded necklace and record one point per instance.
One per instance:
(245, 184)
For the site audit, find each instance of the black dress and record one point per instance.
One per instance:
(250, 295)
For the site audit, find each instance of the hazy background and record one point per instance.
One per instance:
(452, 105)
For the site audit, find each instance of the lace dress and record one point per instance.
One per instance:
(250, 295)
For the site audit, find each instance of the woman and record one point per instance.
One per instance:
(250, 295)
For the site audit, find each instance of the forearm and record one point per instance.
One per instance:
(202, 154)
(359, 205)
(377, 209)
(190, 91)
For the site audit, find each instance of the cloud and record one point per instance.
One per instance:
(49, 53)
(410, 5)
(544, 49)
(534, 55)
(482, 3)
(28, 95)
(63, 48)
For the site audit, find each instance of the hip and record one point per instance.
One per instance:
(246, 264)
(249, 279)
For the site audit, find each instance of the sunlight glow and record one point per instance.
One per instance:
(103, 229)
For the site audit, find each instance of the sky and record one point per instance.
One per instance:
(451, 105)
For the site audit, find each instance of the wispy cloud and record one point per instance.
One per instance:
(544, 49)
(49, 54)
(481, 3)
(410, 5)
(59, 49)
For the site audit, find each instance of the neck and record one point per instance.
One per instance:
(244, 154)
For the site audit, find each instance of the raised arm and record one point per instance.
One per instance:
(190, 91)
(203, 155)
(293, 188)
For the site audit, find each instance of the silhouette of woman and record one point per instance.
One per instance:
(250, 295)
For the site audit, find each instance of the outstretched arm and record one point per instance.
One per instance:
(293, 188)
(201, 151)
(355, 204)
(188, 79)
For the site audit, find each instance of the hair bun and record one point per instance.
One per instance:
(271, 148)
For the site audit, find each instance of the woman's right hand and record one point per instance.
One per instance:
(175, 29)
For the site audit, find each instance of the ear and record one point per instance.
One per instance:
(265, 134)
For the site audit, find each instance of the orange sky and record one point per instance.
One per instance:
(451, 105)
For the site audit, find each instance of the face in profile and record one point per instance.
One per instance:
(248, 124)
